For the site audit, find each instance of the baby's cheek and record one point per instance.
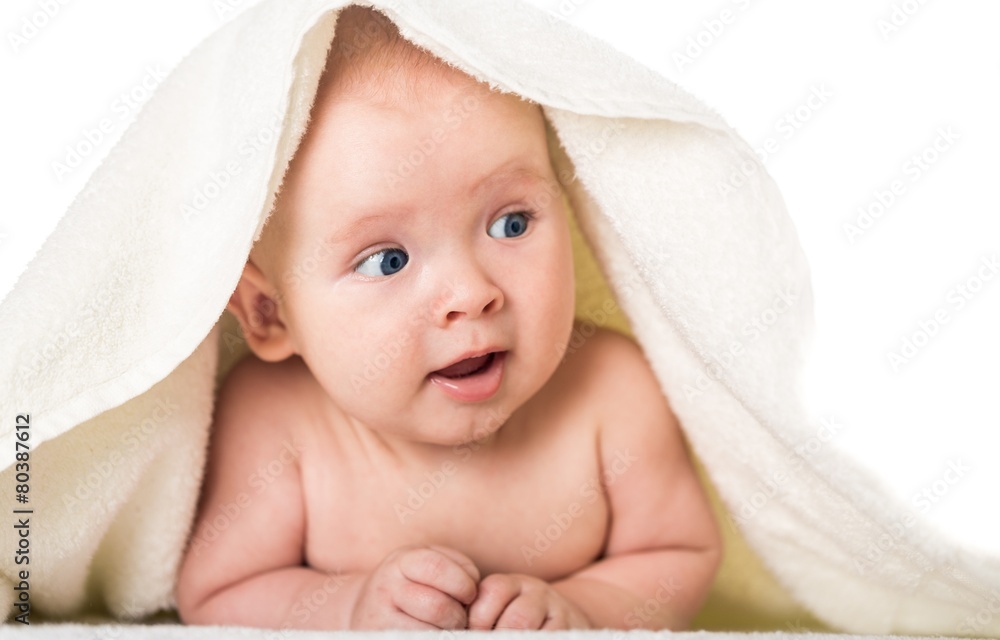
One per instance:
(372, 372)
(552, 294)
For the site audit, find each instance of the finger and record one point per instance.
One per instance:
(496, 591)
(439, 570)
(463, 560)
(408, 623)
(429, 605)
(555, 621)
(391, 618)
(525, 612)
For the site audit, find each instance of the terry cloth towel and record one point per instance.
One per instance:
(113, 335)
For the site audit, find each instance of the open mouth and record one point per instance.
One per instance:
(473, 379)
(468, 367)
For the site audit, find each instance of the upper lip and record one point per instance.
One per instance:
(472, 354)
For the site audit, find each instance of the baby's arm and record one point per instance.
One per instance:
(663, 547)
(245, 562)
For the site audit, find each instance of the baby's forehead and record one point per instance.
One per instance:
(369, 59)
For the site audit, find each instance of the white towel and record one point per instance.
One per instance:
(113, 342)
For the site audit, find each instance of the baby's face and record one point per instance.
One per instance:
(418, 234)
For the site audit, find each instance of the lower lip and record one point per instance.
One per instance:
(481, 386)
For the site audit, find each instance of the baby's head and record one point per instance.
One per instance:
(420, 221)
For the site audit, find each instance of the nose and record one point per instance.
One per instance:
(469, 293)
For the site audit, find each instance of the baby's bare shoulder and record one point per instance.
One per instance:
(257, 391)
(610, 373)
(253, 374)
(610, 365)
(629, 397)
(259, 415)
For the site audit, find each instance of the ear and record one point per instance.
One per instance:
(255, 305)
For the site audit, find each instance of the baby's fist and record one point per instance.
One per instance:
(516, 601)
(417, 588)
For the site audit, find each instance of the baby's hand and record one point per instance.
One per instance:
(515, 601)
(417, 588)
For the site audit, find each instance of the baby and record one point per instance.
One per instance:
(412, 444)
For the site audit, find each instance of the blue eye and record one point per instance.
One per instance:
(383, 263)
(510, 225)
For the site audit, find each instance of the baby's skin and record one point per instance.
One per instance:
(354, 479)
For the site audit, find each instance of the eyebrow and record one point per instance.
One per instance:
(348, 231)
(508, 172)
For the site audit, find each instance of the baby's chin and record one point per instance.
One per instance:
(447, 447)
(464, 434)
(426, 428)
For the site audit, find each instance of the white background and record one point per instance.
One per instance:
(889, 90)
